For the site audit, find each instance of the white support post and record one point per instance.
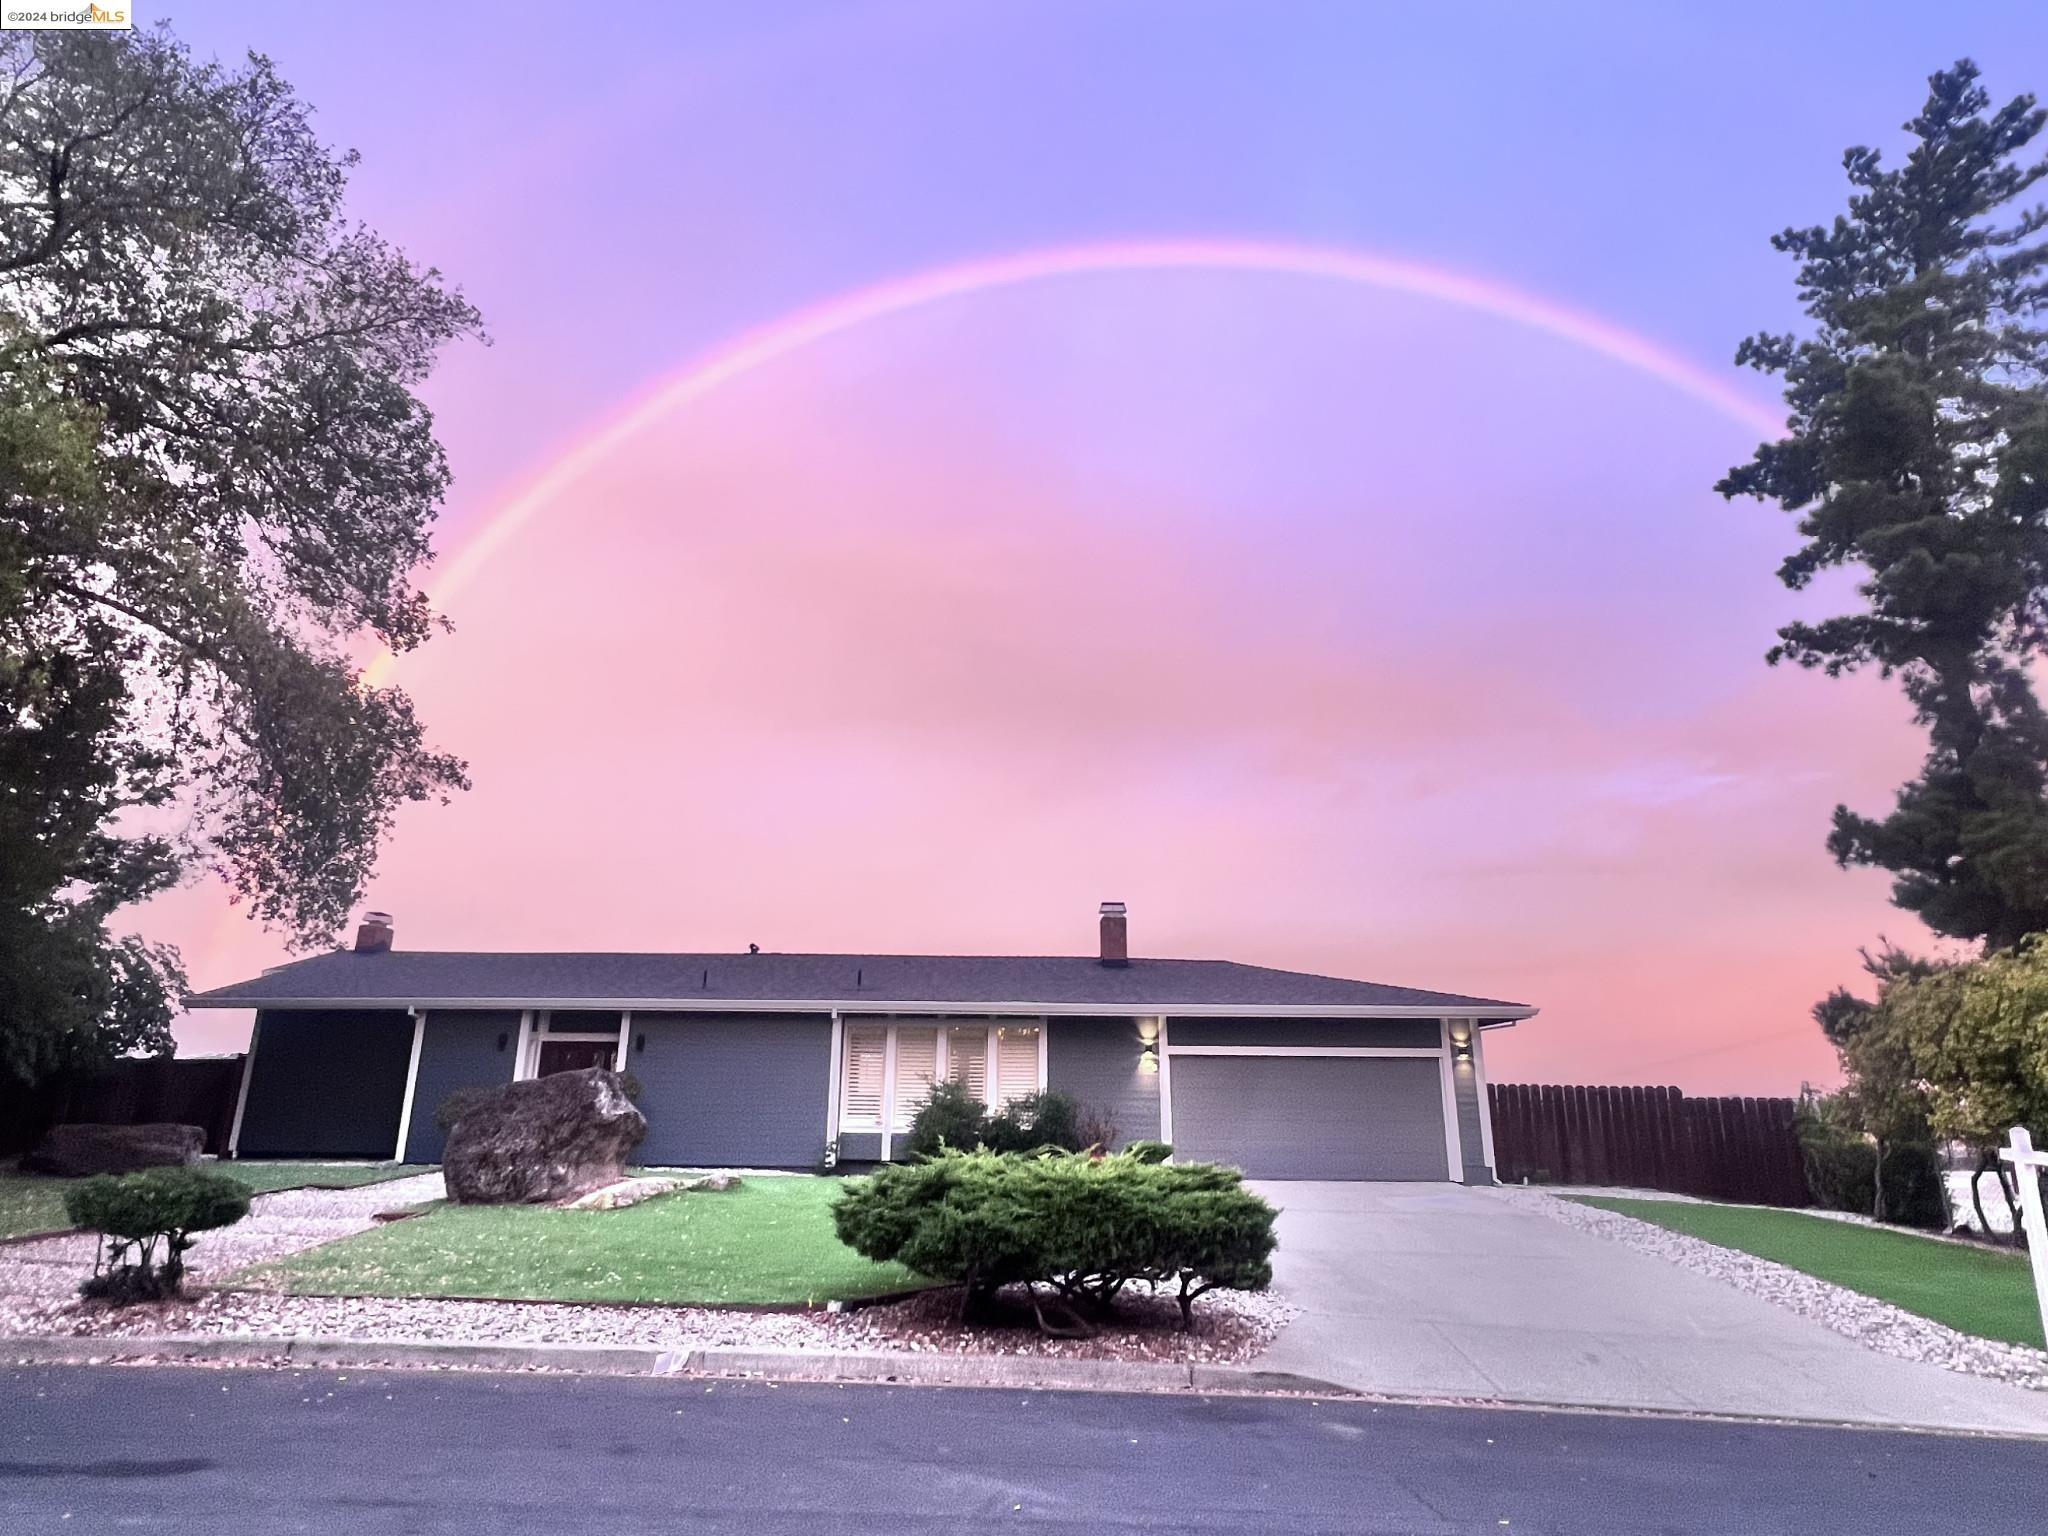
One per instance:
(625, 1029)
(412, 1081)
(1485, 1099)
(888, 1092)
(519, 1045)
(2028, 1165)
(1165, 1086)
(242, 1093)
(1454, 1150)
(832, 1086)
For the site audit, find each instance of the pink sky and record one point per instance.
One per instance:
(1209, 600)
(1329, 627)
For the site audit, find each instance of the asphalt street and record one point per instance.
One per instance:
(86, 1450)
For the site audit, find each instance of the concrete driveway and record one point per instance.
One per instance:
(1437, 1290)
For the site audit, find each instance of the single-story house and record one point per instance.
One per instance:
(806, 1061)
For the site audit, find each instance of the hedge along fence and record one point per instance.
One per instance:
(1738, 1149)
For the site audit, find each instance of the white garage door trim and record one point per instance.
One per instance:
(1454, 1149)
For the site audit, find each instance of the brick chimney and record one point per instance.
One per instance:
(374, 937)
(1116, 944)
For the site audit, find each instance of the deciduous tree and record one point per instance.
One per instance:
(218, 487)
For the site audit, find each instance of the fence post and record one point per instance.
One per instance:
(2027, 1165)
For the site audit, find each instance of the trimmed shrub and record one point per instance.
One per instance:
(949, 1117)
(952, 1117)
(1050, 1119)
(1841, 1175)
(146, 1222)
(1087, 1227)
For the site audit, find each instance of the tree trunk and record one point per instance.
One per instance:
(1877, 1206)
(1984, 1161)
(2010, 1189)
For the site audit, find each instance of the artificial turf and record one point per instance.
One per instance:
(770, 1242)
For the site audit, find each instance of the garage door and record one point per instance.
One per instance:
(1312, 1117)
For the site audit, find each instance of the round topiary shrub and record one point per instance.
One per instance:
(146, 1222)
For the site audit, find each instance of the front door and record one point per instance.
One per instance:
(575, 1055)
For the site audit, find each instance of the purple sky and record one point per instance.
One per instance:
(1329, 626)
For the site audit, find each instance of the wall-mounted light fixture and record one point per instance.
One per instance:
(1148, 1060)
(1461, 1041)
(1148, 1030)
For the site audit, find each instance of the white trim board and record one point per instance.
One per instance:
(412, 1082)
(1485, 1104)
(242, 1093)
(1446, 1074)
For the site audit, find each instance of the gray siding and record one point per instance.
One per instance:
(1312, 1117)
(732, 1090)
(327, 1083)
(861, 1147)
(1096, 1061)
(457, 1050)
(1424, 1034)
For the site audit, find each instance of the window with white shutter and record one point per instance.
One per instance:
(864, 1057)
(925, 1054)
(1016, 1062)
(917, 1068)
(967, 1058)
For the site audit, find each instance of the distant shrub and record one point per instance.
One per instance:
(1149, 1151)
(146, 1221)
(949, 1117)
(1086, 1227)
(1097, 1130)
(1841, 1175)
(458, 1104)
(953, 1117)
(1036, 1120)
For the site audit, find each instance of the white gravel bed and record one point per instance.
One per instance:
(39, 1281)
(1230, 1327)
(1872, 1323)
(277, 1224)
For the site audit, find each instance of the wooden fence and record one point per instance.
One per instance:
(187, 1090)
(1649, 1138)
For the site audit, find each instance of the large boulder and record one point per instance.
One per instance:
(74, 1151)
(549, 1138)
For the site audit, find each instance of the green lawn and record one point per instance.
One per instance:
(30, 1202)
(769, 1241)
(1974, 1291)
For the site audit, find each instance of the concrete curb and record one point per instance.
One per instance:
(592, 1359)
(727, 1362)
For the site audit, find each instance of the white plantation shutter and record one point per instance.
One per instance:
(860, 1102)
(1016, 1063)
(967, 1058)
(917, 1067)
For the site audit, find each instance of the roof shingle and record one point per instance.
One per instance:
(446, 978)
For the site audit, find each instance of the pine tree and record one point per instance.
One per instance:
(1918, 454)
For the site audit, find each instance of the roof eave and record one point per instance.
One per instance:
(1449, 1009)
